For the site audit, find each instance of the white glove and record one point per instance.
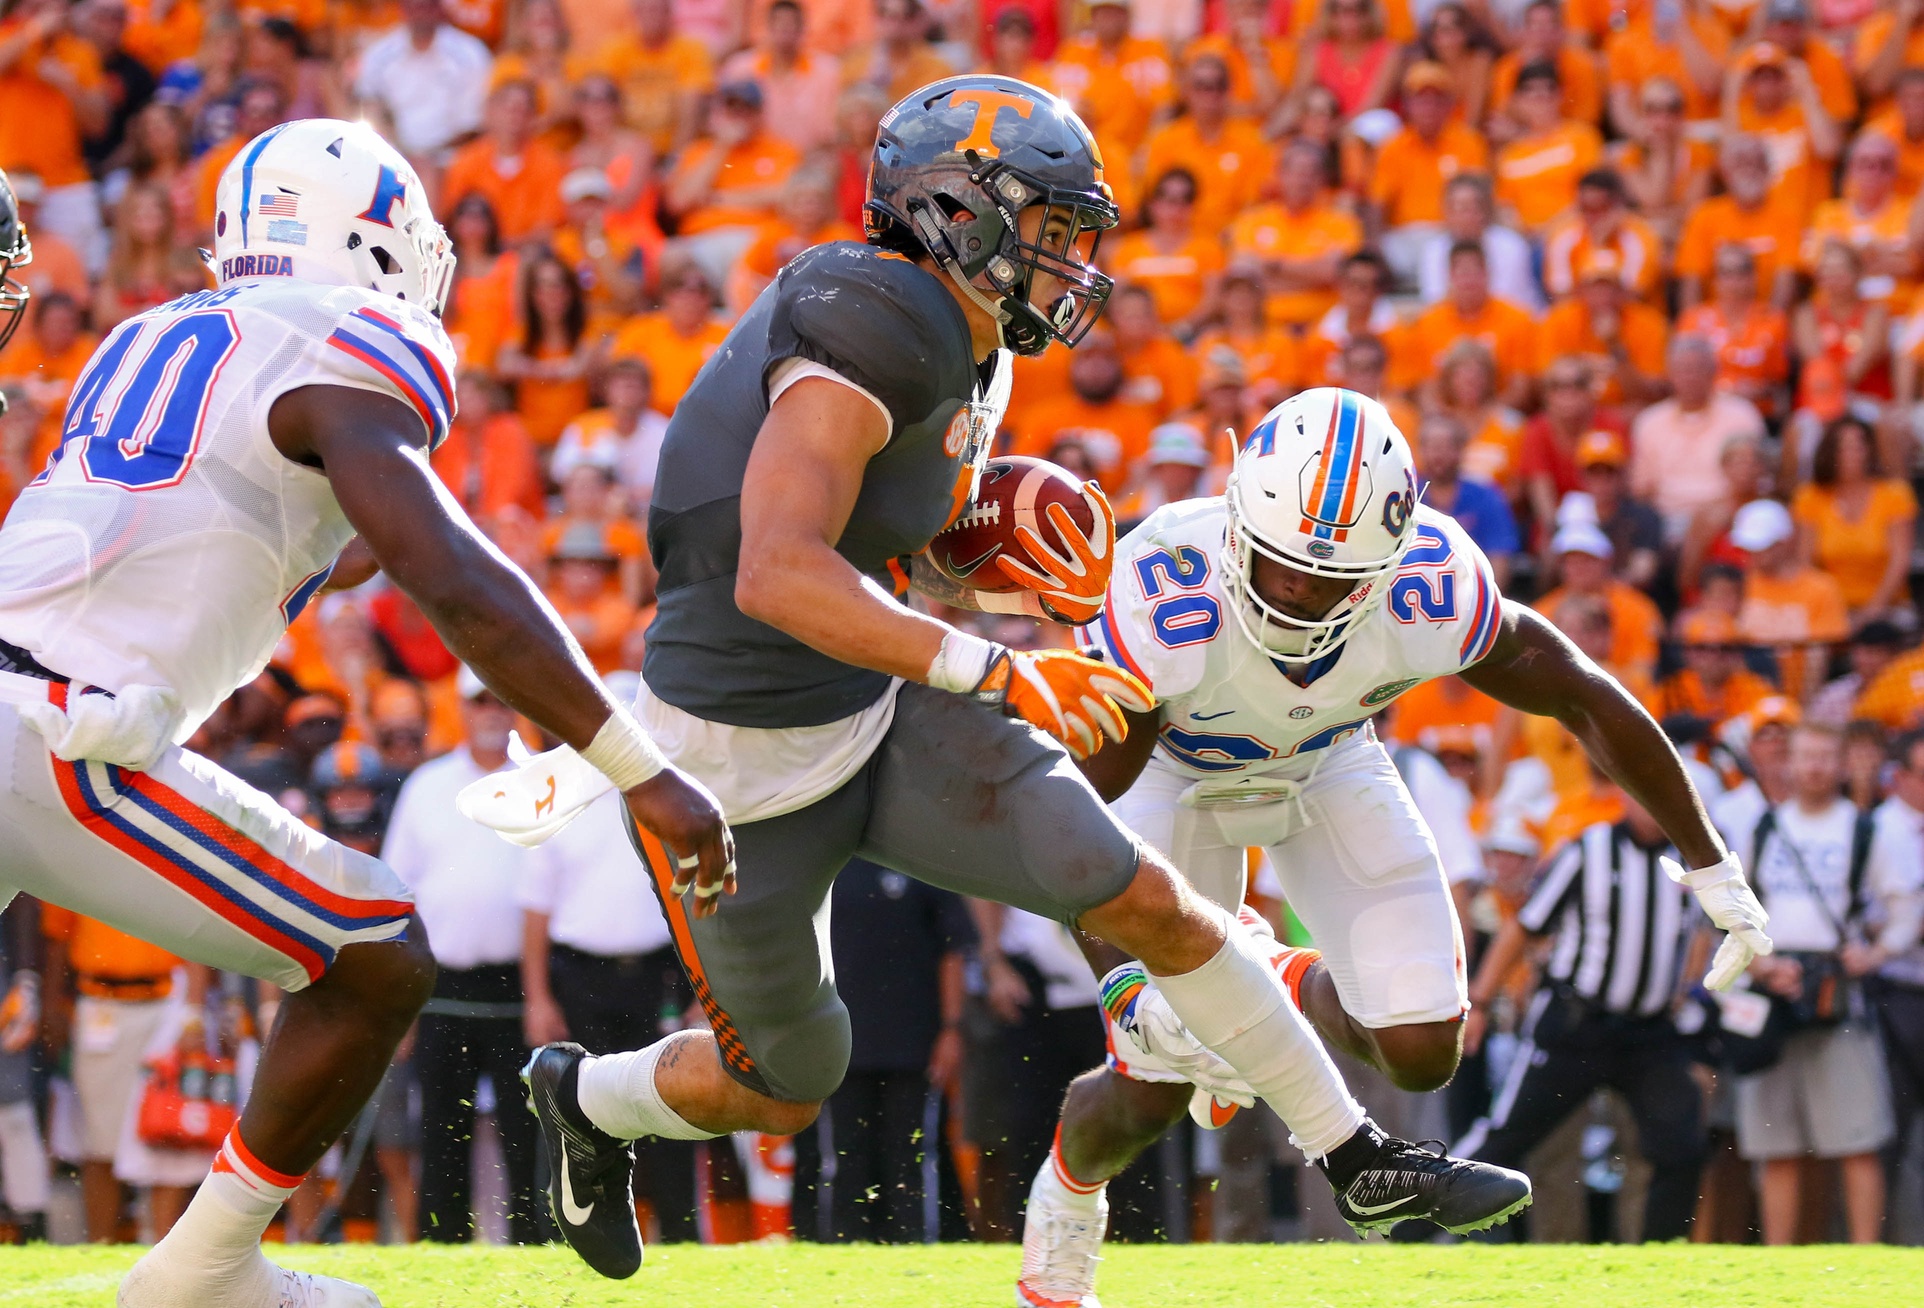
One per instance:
(544, 793)
(131, 729)
(1727, 900)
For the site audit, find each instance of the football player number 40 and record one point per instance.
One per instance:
(1189, 616)
(137, 410)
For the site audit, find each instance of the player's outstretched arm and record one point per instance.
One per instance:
(373, 450)
(1534, 669)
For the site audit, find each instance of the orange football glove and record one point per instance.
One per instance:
(1077, 700)
(1071, 587)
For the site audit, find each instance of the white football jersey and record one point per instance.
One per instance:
(1229, 711)
(168, 543)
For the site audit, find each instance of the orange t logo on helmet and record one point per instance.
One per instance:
(987, 105)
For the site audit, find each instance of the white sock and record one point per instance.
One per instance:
(1056, 1187)
(23, 1159)
(1237, 1006)
(231, 1210)
(618, 1094)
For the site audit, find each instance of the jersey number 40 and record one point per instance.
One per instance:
(138, 408)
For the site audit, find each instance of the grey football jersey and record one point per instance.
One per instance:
(893, 329)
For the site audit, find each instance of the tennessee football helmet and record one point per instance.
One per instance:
(15, 250)
(322, 200)
(957, 162)
(1325, 484)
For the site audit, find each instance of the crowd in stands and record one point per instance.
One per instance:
(1639, 279)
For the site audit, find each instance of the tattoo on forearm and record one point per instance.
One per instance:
(926, 579)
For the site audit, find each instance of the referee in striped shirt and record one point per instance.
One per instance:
(1602, 1016)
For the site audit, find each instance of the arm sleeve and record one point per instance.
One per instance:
(397, 350)
(877, 332)
(1553, 891)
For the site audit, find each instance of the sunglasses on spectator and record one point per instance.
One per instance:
(1663, 106)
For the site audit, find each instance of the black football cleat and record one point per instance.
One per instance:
(591, 1174)
(1404, 1181)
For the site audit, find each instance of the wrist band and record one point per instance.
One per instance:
(1724, 869)
(962, 662)
(622, 752)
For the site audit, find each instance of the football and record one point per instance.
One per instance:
(1014, 491)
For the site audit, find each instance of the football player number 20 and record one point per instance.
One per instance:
(1189, 616)
(137, 410)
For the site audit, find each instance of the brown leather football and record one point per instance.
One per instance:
(1014, 491)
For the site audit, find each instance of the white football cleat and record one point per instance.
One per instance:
(1060, 1250)
(255, 1283)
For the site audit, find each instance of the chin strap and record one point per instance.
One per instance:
(933, 239)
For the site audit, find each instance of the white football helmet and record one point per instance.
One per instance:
(1325, 484)
(322, 200)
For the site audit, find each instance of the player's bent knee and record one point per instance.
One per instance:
(804, 1060)
(1159, 918)
(780, 1117)
(1422, 1056)
(386, 978)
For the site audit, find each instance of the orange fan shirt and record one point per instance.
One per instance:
(525, 191)
(1407, 185)
(1871, 38)
(654, 80)
(48, 381)
(1889, 227)
(1507, 332)
(1116, 434)
(1495, 451)
(1896, 696)
(1444, 702)
(1685, 692)
(1272, 231)
(1581, 76)
(51, 148)
(1275, 357)
(1537, 175)
(1755, 349)
(753, 165)
(1770, 232)
(1854, 551)
(1116, 94)
(1797, 177)
(674, 359)
(1176, 280)
(492, 469)
(1636, 625)
(175, 36)
(1636, 54)
(1569, 246)
(95, 949)
(1231, 170)
(1568, 330)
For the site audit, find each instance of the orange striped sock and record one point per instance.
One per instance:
(1292, 965)
(1064, 1176)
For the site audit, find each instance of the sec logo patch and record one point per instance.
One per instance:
(1388, 691)
(1301, 711)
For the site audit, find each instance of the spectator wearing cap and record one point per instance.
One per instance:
(799, 85)
(1299, 240)
(583, 585)
(314, 721)
(1171, 470)
(1116, 81)
(1169, 254)
(900, 57)
(663, 74)
(1762, 737)
(488, 460)
(675, 340)
(1747, 214)
(1583, 557)
(598, 967)
(1634, 529)
(1602, 221)
(1771, 95)
(1229, 157)
(1752, 338)
(1713, 683)
(1480, 509)
(1113, 430)
(1786, 24)
(1873, 648)
(1470, 311)
(519, 173)
(605, 258)
(1415, 165)
(1857, 524)
(1604, 321)
(464, 880)
(625, 434)
(1469, 214)
(425, 80)
(1541, 36)
(1676, 444)
(1576, 793)
(1788, 606)
(591, 496)
(1873, 218)
(1537, 172)
(726, 184)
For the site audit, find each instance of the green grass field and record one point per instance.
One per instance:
(965, 1276)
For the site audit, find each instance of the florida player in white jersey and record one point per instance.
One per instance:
(1273, 623)
(220, 453)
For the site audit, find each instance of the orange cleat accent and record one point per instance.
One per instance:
(1292, 964)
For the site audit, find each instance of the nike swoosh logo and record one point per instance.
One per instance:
(1220, 1111)
(965, 569)
(573, 1212)
(1368, 1210)
(1210, 717)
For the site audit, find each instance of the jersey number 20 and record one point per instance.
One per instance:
(137, 410)
(1190, 616)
